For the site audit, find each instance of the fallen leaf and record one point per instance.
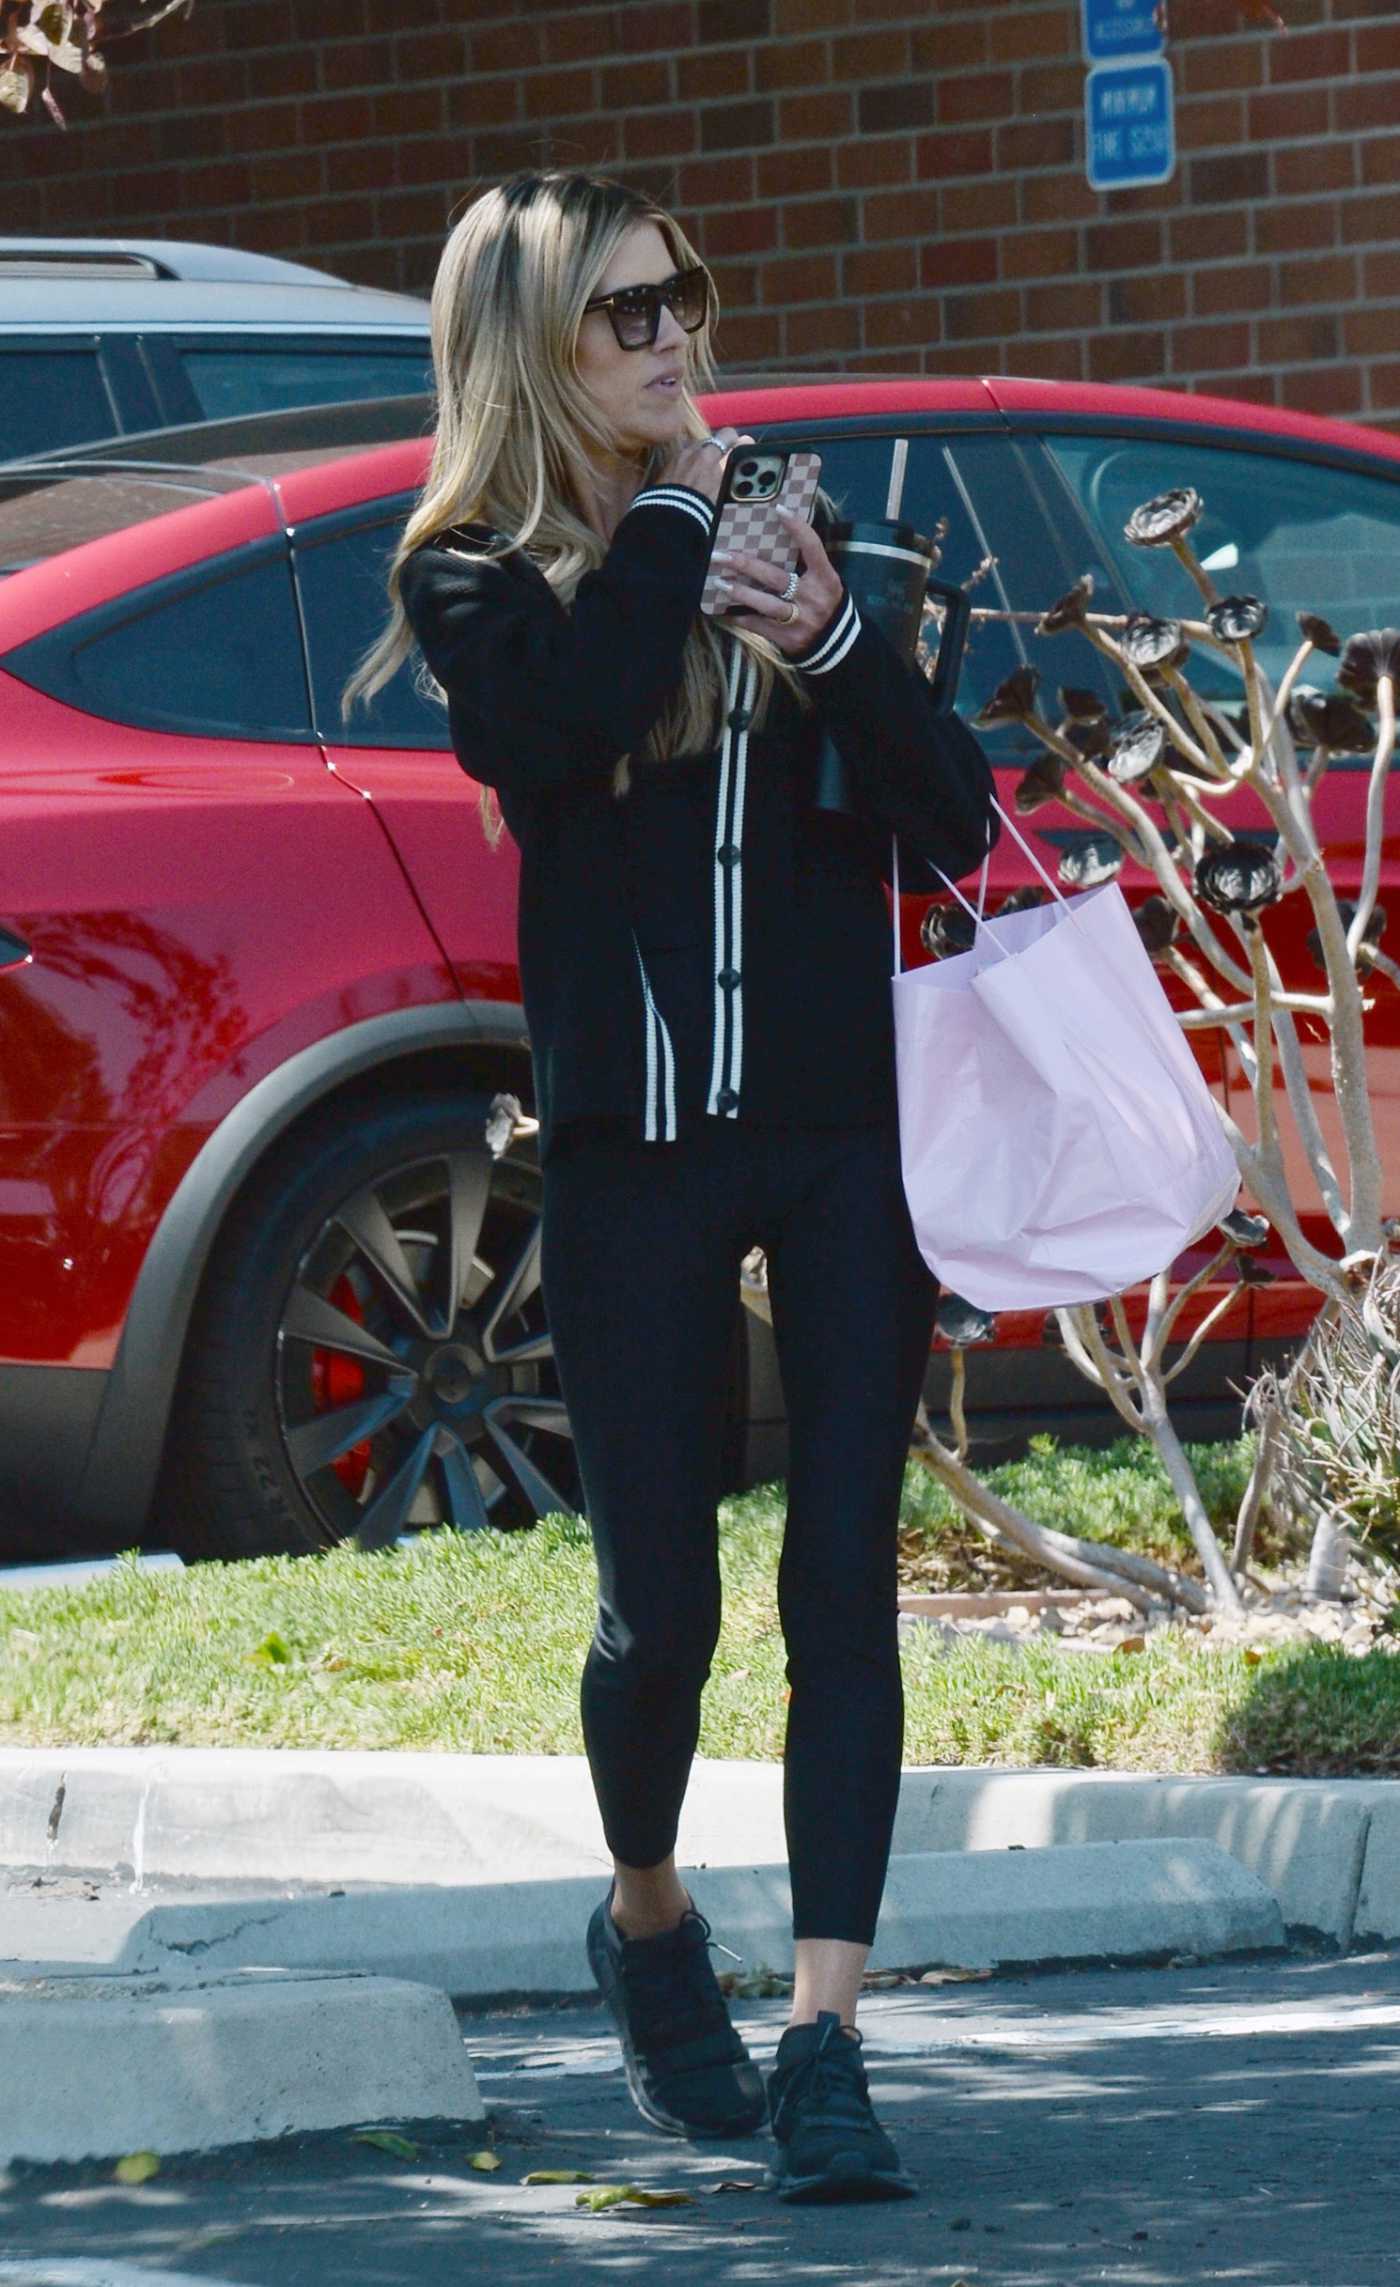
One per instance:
(557, 2176)
(273, 1652)
(738, 2184)
(387, 2140)
(952, 1976)
(137, 2167)
(485, 2163)
(1133, 1644)
(1251, 1657)
(631, 2195)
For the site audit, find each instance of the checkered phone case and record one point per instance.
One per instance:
(751, 527)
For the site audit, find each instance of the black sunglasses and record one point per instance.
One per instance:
(635, 311)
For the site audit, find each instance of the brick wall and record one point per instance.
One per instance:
(876, 183)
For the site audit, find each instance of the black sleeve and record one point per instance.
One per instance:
(538, 693)
(919, 774)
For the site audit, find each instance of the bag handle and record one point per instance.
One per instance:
(978, 911)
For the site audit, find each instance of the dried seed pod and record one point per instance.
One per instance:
(1071, 610)
(1089, 739)
(1238, 877)
(1320, 632)
(1157, 924)
(1139, 742)
(1371, 935)
(1082, 706)
(1330, 718)
(1148, 642)
(1013, 699)
(1252, 1273)
(1043, 782)
(1236, 618)
(946, 929)
(1020, 900)
(1166, 517)
(1092, 862)
(961, 1323)
(1243, 1229)
(1365, 659)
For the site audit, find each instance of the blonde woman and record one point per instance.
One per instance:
(705, 967)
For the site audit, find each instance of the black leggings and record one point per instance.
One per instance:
(641, 1251)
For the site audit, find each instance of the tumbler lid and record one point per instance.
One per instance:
(872, 536)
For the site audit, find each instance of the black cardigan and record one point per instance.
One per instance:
(710, 943)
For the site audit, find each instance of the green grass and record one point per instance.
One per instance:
(475, 1645)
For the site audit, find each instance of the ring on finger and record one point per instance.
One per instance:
(789, 615)
(791, 589)
(719, 448)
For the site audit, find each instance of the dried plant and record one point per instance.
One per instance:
(1335, 1416)
(41, 37)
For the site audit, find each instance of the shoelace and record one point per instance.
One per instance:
(668, 1986)
(829, 2071)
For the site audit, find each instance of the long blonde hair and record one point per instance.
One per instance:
(515, 422)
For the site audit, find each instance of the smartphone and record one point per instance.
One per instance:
(757, 484)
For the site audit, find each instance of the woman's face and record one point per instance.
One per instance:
(638, 391)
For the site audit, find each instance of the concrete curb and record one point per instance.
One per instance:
(90, 2073)
(975, 1909)
(1329, 1849)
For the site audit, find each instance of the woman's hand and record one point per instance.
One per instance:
(792, 622)
(700, 461)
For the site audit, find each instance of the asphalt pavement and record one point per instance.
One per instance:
(1154, 2128)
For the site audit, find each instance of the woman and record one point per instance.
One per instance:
(704, 957)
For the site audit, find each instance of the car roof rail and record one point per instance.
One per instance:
(190, 260)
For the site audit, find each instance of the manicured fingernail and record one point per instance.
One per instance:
(721, 556)
(721, 582)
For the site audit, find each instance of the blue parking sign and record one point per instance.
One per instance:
(1129, 126)
(1115, 30)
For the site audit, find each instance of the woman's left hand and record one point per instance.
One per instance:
(756, 590)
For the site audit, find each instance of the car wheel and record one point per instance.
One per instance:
(370, 1354)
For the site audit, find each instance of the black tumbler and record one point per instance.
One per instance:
(888, 569)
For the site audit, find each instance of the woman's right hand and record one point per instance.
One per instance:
(695, 461)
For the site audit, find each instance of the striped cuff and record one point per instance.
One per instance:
(680, 496)
(832, 647)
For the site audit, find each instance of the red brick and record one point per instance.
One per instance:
(954, 151)
(560, 94)
(809, 15)
(1203, 237)
(814, 118)
(1300, 224)
(577, 36)
(1126, 356)
(791, 171)
(502, 149)
(890, 325)
(821, 222)
(799, 278)
(659, 134)
(1071, 302)
(623, 87)
(835, 327)
(1052, 87)
(723, 21)
(1315, 167)
(1285, 113)
(983, 205)
(1334, 389)
(716, 182)
(511, 47)
(1224, 289)
(1025, 35)
(1040, 254)
(1057, 198)
(1212, 125)
(1255, 388)
(1160, 296)
(1207, 349)
(1370, 220)
(711, 72)
(1209, 70)
(737, 230)
(1380, 159)
(876, 159)
(357, 63)
(879, 270)
(968, 357)
(1370, 333)
(1122, 245)
(1057, 359)
(869, 55)
(1325, 278)
(407, 111)
(440, 53)
(297, 173)
(1370, 102)
(264, 127)
(1384, 383)
(893, 105)
(900, 214)
(958, 262)
(1035, 143)
(744, 340)
(976, 95)
(976, 317)
(419, 159)
(1297, 340)
(1310, 55)
(397, 214)
(949, 47)
(1375, 48)
(1381, 274)
(791, 63)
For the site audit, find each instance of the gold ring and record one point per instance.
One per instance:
(790, 615)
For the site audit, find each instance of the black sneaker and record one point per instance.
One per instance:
(830, 2145)
(687, 2068)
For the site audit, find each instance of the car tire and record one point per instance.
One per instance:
(369, 1353)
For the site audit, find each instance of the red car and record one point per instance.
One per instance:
(267, 1263)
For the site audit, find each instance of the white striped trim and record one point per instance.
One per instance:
(726, 1061)
(675, 496)
(659, 1119)
(833, 647)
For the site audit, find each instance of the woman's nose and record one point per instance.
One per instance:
(669, 330)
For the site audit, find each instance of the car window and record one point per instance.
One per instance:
(228, 381)
(1301, 535)
(49, 396)
(342, 574)
(216, 651)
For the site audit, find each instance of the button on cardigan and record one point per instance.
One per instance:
(709, 944)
